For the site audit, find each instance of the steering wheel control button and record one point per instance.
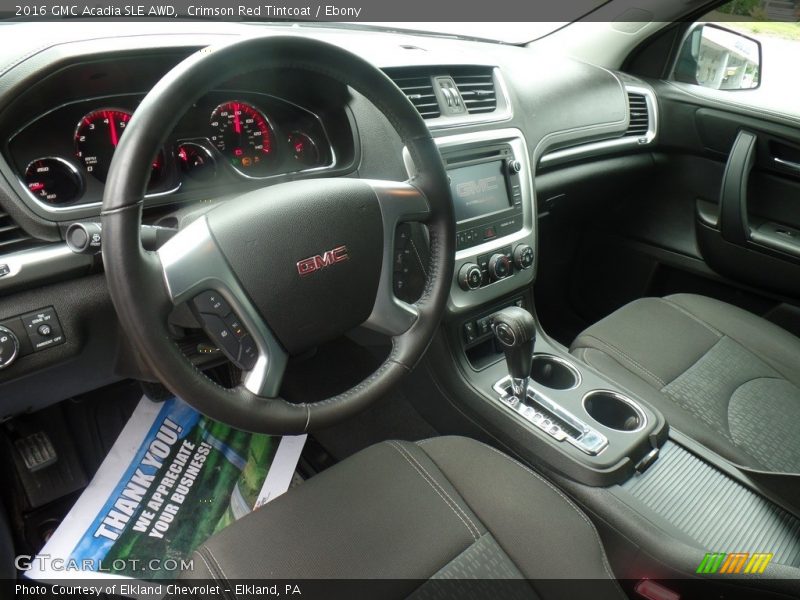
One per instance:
(43, 328)
(212, 303)
(9, 347)
(470, 277)
(222, 336)
(235, 326)
(523, 256)
(248, 353)
(225, 329)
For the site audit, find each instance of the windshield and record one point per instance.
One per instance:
(508, 33)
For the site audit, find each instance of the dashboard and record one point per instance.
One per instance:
(64, 109)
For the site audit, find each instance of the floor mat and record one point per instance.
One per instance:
(171, 480)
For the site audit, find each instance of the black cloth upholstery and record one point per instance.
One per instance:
(444, 508)
(723, 376)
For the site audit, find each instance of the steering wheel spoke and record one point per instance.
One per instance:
(195, 271)
(400, 202)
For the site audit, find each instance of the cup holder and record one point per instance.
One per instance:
(614, 410)
(554, 372)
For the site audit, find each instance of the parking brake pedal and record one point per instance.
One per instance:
(36, 451)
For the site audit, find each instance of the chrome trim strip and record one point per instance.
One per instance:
(40, 263)
(589, 441)
(591, 149)
(622, 398)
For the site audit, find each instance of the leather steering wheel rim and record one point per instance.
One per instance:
(144, 295)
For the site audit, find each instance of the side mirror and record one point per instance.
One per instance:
(718, 58)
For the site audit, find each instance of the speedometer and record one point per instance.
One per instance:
(244, 137)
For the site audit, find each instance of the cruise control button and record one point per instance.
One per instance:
(212, 303)
(235, 326)
(248, 354)
(222, 336)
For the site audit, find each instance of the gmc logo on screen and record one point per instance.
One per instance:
(479, 186)
(312, 264)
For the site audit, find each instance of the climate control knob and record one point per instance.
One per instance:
(470, 277)
(9, 347)
(499, 266)
(523, 256)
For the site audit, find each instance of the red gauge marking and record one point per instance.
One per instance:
(237, 124)
(112, 128)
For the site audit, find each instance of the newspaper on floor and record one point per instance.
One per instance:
(172, 479)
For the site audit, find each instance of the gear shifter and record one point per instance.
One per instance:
(515, 330)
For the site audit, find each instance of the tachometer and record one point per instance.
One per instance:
(96, 138)
(243, 135)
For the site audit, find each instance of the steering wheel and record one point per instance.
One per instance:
(297, 263)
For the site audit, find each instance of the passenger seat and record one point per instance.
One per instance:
(723, 376)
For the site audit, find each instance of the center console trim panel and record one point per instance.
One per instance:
(460, 299)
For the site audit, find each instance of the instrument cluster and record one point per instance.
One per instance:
(63, 157)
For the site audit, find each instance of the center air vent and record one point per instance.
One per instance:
(476, 86)
(417, 85)
(12, 237)
(640, 115)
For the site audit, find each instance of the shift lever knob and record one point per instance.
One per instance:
(515, 330)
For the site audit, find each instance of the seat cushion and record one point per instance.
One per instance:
(442, 509)
(723, 376)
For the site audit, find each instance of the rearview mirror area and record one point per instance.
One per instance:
(718, 58)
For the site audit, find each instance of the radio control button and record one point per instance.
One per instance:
(523, 256)
(470, 276)
(514, 167)
(499, 266)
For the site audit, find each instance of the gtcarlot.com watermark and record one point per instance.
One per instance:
(48, 564)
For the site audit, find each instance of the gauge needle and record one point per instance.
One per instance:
(114, 137)
(237, 125)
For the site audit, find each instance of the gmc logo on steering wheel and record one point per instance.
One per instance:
(309, 265)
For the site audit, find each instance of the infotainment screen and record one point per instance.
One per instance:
(478, 190)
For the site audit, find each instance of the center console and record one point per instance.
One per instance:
(570, 416)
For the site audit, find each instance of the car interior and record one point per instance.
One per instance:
(536, 302)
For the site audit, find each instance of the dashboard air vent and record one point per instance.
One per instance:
(476, 86)
(417, 85)
(640, 115)
(12, 236)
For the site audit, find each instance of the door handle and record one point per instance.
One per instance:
(788, 164)
(733, 221)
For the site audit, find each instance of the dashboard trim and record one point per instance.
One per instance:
(622, 142)
(37, 264)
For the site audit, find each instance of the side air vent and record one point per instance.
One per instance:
(418, 87)
(12, 237)
(640, 115)
(476, 86)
